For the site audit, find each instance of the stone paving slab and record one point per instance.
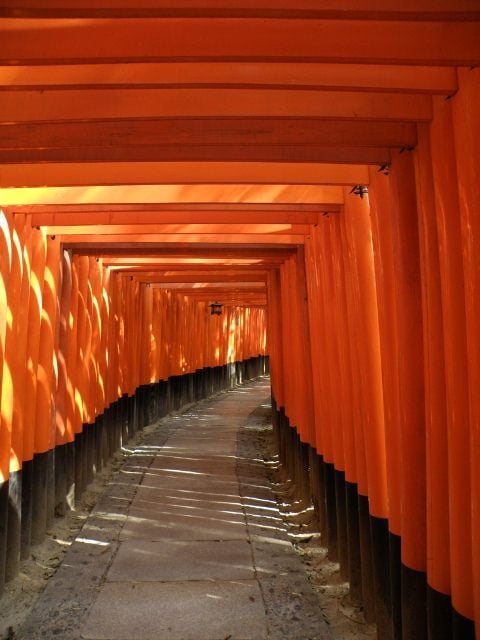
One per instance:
(145, 524)
(191, 504)
(190, 482)
(167, 560)
(217, 464)
(189, 610)
(212, 447)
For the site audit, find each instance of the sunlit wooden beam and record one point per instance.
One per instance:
(111, 173)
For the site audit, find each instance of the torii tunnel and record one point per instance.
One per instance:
(314, 168)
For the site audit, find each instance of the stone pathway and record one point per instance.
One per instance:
(186, 543)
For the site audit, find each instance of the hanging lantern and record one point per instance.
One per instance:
(216, 308)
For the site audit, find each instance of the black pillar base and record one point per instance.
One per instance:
(341, 509)
(14, 521)
(3, 531)
(331, 510)
(414, 604)
(394, 552)
(366, 555)
(70, 475)
(50, 487)
(60, 480)
(79, 466)
(439, 615)
(462, 628)
(39, 495)
(353, 536)
(27, 503)
(381, 573)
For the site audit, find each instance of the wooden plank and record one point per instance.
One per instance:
(135, 194)
(337, 9)
(113, 253)
(171, 207)
(136, 39)
(251, 287)
(185, 218)
(188, 264)
(259, 75)
(86, 245)
(238, 230)
(78, 174)
(278, 153)
(175, 133)
(93, 104)
(194, 238)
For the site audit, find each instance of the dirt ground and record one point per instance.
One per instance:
(344, 619)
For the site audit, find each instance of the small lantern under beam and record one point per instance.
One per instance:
(216, 308)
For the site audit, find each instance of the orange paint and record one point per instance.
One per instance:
(380, 204)
(73, 418)
(61, 398)
(22, 232)
(450, 248)
(6, 261)
(437, 485)
(39, 254)
(466, 135)
(44, 425)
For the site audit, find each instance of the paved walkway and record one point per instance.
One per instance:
(186, 543)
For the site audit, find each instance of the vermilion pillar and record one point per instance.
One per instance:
(456, 359)
(437, 485)
(466, 136)
(44, 418)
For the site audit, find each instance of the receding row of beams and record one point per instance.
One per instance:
(25, 41)
(333, 9)
(235, 275)
(228, 294)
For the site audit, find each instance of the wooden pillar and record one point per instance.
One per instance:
(45, 426)
(6, 222)
(438, 548)
(466, 137)
(14, 400)
(456, 364)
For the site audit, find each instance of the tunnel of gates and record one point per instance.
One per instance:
(316, 171)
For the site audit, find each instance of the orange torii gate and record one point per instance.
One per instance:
(314, 169)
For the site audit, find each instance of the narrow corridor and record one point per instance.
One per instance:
(187, 542)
